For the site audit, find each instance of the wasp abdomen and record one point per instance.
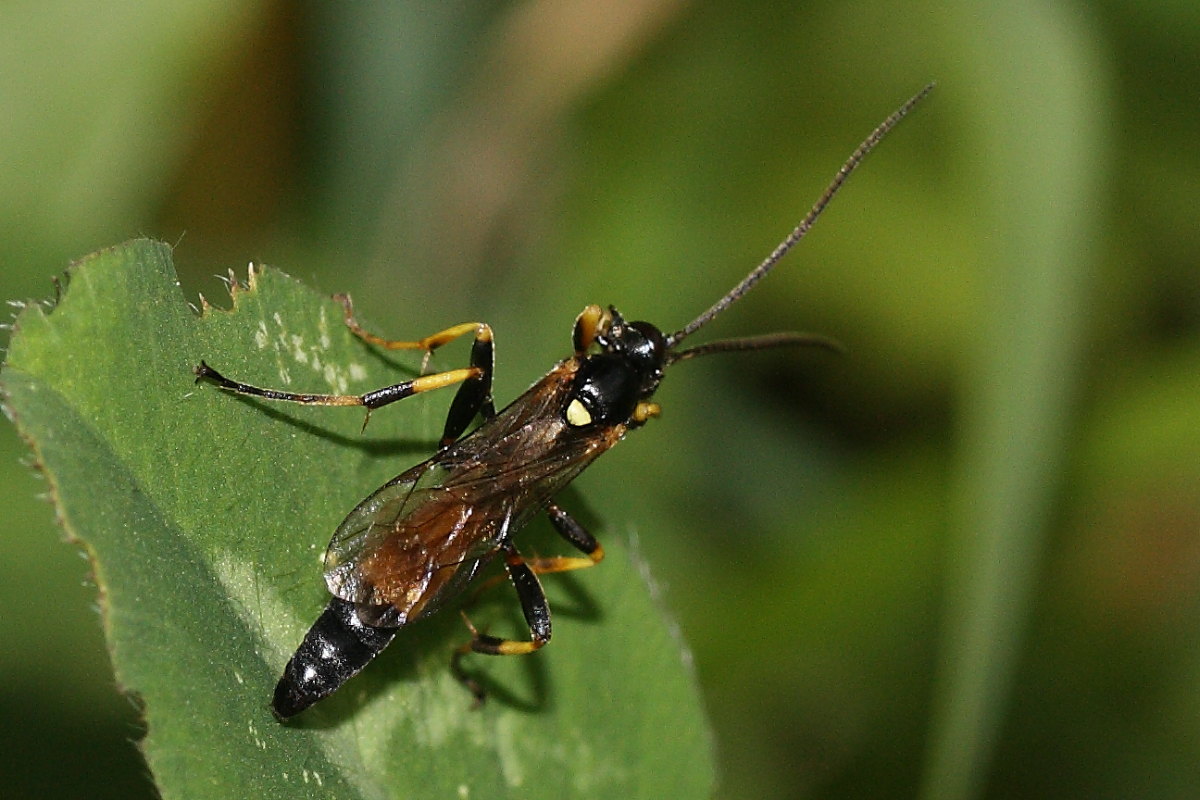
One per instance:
(335, 648)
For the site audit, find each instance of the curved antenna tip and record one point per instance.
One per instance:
(799, 232)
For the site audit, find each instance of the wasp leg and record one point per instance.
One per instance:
(577, 535)
(369, 401)
(474, 396)
(428, 344)
(537, 617)
(523, 574)
(569, 529)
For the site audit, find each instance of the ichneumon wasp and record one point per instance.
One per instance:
(417, 541)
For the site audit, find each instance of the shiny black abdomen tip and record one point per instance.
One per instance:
(335, 649)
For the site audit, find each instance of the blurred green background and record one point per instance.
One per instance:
(962, 560)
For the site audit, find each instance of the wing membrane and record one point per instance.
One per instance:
(423, 535)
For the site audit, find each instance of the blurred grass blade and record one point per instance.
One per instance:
(1041, 177)
(205, 516)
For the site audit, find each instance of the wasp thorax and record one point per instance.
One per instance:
(610, 384)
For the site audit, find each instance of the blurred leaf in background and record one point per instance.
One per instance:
(815, 522)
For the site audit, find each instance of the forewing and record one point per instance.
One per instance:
(404, 540)
(422, 536)
(377, 517)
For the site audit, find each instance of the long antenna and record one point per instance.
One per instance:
(806, 224)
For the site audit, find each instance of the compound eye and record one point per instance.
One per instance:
(578, 414)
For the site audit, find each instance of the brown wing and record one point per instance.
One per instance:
(423, 535)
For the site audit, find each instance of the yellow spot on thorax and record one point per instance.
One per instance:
(577, 414)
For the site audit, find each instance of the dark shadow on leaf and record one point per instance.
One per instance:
(533, 696)
(582, 606)
(384, 448)
(534, 700)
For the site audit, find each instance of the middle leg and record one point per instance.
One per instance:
(570, 529)
(534, 607)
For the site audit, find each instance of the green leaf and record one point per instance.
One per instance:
(205, 516)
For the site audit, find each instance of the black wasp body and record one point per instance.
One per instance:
(416, 542)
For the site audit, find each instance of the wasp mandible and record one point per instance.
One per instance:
(417, 541)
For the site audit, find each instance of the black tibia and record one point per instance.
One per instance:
(474, 396)
(371, 400)
(389, 394)
(571, 530)
(532, 597)
(537, 617)
(334, 650)
(533, 606)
